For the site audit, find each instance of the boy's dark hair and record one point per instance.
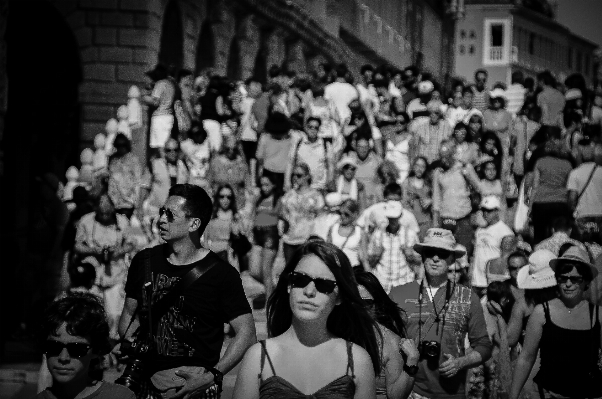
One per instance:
(562, 223)
(341, 70)
(198, 202)
(315, 119)
(497, 291)
(547, 78)
(84, 316)
(478, 71)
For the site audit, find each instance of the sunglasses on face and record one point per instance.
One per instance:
(439, 252)
(313, 127)
(302, 280)
(347, 214)
(171, 150)
(166, 211)
(348, 167)
(565, 279)
(228, 196)
(75, 349)
(299, 175)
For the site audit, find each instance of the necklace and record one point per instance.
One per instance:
(570, 310)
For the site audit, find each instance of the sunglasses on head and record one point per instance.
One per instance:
(565, 279)
(75, 349)
(302, 280)
(440, 252)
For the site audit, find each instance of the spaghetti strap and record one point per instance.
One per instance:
(350, 359)
(264, 354)
(546, 309)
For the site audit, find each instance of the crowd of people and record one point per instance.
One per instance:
(437, 242)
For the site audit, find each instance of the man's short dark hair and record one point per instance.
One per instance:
(518, 77)
(562, 223)
(412, 68)
(315, 119)
(467, 90)
(547, 78)
(478, 71)
(366, 67)
(84, 316)
(274, 71)
(518, 254)
(392, 188)
(341, 70)
(198, 203)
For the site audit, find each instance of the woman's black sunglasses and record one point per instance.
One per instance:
(302, 280)
(75, 349)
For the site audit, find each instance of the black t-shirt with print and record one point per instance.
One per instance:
(217, 297)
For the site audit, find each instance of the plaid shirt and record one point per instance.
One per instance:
(392, 268)
(428, 137)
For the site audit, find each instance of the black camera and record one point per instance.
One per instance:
(430, 350)
(133, 374)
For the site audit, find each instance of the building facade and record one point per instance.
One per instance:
(502, 36)
(70, 63)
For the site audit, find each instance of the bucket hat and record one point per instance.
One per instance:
(538, 273)
(574, 255)
(439, 238)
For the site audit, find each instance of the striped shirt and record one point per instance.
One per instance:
(428, 137)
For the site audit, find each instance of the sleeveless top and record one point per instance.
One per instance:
(276, 387)
(349, 245)
(570, 355)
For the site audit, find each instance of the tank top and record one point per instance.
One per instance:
(399, 155)
(276, 387)
(570, 356)
(349, 245)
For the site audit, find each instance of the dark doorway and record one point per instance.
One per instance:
(171, 52)
(260, 70)
(42, 130)
(234, 66)
(205, 51)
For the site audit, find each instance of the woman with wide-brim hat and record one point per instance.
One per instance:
(570, 321)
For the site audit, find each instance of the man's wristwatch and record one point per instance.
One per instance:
(218, 376)
(410, 370)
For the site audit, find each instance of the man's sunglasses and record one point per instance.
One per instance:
(166, 211)
(313, 127)
(225, 196)
(431, 252)
(75, 349)
(302, 280)
(565, 279)
(171, 150)
(299, 175)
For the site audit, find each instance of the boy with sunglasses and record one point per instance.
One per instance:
(74, 336)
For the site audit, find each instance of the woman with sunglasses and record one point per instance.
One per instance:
(300, 206)
(266, 208)
(396, 352)
(74, 337)
(573, 322)
(348, 236)
(316, 316)
(225, 222)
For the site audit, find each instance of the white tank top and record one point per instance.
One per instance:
(349, 245)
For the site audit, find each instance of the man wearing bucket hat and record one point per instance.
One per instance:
(440, 314)
(417, 107)
(568, 323)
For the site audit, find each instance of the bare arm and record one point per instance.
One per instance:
(572, 200)
(365, 382)
(247, 383)
(515, 325)
(399, 383)
(244, 328)
(527, 357)
(129, 309)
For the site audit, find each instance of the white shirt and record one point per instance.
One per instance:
(341, 93)
(374, 217)
(487, 246)
(590, 203)
(515, 95)
(246, 122)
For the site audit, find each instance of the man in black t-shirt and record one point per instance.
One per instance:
(188, 336)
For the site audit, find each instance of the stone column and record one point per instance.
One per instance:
(295, 59)
(276, 48)
(249, 41)
(223, 32)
